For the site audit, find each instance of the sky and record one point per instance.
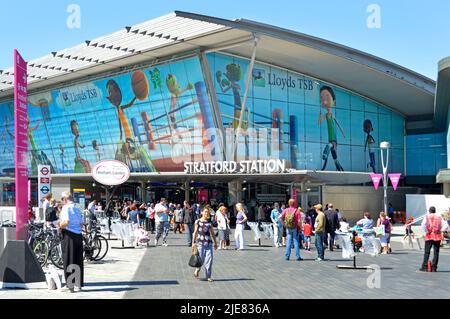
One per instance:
(414, 34)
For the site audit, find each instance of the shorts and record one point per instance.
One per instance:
(409, 232)
(222, 234)
(308, 239)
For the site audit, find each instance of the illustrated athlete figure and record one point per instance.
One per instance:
(369, 142)
(174, 89)
(328, 101)
(61, 155)
(81, 165)
(97, 149)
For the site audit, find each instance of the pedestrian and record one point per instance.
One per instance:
(408, 229)
(203, 239)
(72, 244)
(277, 225)
(391, 212)
(332, 224)
(366, 223)
(92, 218)
(383, 221)
(293, 223)
(433, 227)
(222, 222)
(162, 222)
(189, 220)
(178, 217)
(319, 227)
(46, 202)
(151, 217)
(307, 232)
(51, 214)
(241, 219)
(142, 215)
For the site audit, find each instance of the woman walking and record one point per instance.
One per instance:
(386, 238)
(241, 219)
(222, 225)
(202, 240)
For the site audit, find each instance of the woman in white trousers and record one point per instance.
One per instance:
(241, 219)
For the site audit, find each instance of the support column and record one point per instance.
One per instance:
(304, 196)
(234, 192)
(143, 192)
(187, 191)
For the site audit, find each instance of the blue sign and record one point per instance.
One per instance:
(45, 190)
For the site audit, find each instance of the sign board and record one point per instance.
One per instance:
(111, 172)
(21, 144)
(395, 179)
(232, 167)
(79, 198)
(271, 198)
(44, 182)
(376, 179)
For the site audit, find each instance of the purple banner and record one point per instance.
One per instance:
(395, 179)
(21, 144)
(376, 178)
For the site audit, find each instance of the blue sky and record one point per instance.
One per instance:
(413, 33)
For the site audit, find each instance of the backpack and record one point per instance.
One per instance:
(289, 220)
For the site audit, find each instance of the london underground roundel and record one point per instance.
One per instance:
(111, 172)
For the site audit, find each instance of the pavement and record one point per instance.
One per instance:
(254, 273)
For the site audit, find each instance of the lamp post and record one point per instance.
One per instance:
(385, 146)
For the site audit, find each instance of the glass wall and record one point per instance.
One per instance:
(152, 119)
(322, 127)
(426, 154)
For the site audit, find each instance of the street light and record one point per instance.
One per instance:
(385, 146)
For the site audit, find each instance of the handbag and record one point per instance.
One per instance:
(195, 260)
(380, 231)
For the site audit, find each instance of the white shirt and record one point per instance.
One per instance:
(45, 204)
(221, 221)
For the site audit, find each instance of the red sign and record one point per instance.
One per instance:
(395, 179)
(376, 179)
(45, 180)
(45, 171)
(21, 144)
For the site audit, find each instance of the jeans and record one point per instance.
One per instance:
(320, 237)
(436, 246)
(206, 255)
(239, 236)
(162, 229)
(292, 234)
(329, 243)
(189, 229)
(277, 234)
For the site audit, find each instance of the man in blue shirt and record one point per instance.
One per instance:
(71, 220)
(277, 225)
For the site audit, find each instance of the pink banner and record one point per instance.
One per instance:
(21, 144)
(395, 179)
(376, 179)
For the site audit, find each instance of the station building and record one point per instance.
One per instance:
(204, 108)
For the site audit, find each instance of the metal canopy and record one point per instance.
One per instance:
(405, 91)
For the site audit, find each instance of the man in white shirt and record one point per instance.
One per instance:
(162, 221)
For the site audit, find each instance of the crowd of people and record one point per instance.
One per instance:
(207, 227)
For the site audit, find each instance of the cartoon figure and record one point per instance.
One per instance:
(232, 77)
(5, 145)
(128, 150)
(174, 89)
(61, 155)
(97, 150)
(369, 142)
(81, 165)
(36, 156)
(155, 75)
(328, 101)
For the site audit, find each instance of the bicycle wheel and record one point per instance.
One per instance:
(91, 248)
(104, 246)
(41, 252)
(55, 255)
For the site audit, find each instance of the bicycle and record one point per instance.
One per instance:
(95, 246)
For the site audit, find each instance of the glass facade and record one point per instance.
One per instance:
(154, 119)
(321, 126)
(426, 154)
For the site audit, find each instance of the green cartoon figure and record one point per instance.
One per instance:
(155, 76)
(232, 77)
(175, 90)
(328, 101)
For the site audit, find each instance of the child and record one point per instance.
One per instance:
(408, 229)
(142, 237)
(307, 232)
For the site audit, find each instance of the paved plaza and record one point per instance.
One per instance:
(257, 272)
